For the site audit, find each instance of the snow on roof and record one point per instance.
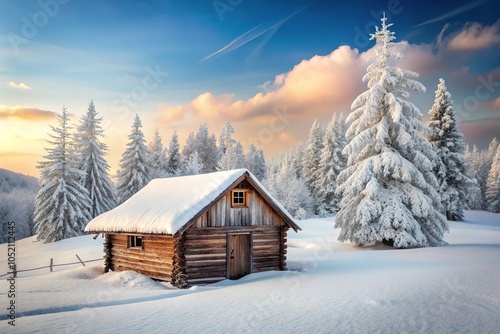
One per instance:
(166, 205)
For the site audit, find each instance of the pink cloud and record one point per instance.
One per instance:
(25, 113)
(495, 104)
(282, 111)
(475, 37)
(480, 132)
(315, 87)
(420, 58)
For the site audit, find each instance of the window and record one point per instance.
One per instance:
(134, 241)
(238, 198)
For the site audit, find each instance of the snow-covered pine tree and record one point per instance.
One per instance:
(225, 138)
(255, 162)
(206, 145)
(189, 147)
(311, 159)
(474, 164)
(157, 156)
(332, 162)
(174, 161)
(289, 189)
(493, 186)
(135, 171)
(487, 160)
(91, 160)
(233, 156)
(194, 165)
(449, 146)
(388, 188)
(62, 203)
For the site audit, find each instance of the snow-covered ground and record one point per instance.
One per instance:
(330, 288)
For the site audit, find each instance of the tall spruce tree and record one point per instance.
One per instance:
(174, 160)
(135, 171)
(311, 159)
(206, 145)
(226, 138)
(388, 188)
(91, 160)
(157, 156)
(255, 162)
(332, 162)
(493, 185)
(194, 165)
(62, 203)
(447, 140)
(474, 163)
(233, 157)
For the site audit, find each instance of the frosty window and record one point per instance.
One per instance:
(238, 198)
(134, 241)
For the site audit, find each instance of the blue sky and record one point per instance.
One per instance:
(219, 55)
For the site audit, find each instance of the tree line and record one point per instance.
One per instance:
(385, 174)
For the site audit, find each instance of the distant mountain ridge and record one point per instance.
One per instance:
(17, 203)
(10, 180)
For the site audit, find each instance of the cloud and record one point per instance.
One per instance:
(479, 132)
(313, 88)
(21, 85)
(475, 36)
(495, 104)
(281, 112)
(25, 113)
(420, 58)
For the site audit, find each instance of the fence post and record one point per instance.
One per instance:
(51, 264)
(83, 264)
(14, 271)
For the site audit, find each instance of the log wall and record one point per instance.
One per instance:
(206, 251)
(154, 260)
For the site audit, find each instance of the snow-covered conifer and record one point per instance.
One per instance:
(157, 156)
(194, 164)
(206, 145)
(225, 138)
(388, 188)
(91, 160)
(474, 163)
(332, 162)
(255, 162)
(174, 161)
(135, 171)
(312, 157)
(448, 144)
(189, 147)
(493, 186)
(62, 203)
(233, 157)
(291, 191)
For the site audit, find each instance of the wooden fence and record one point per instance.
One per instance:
(51, 266)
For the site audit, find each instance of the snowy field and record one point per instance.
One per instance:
(330, 288)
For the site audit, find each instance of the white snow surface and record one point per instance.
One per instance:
(165, 205)
(330, 288)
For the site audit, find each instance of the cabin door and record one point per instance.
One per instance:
(239, 259)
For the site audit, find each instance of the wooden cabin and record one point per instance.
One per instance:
(197, 229)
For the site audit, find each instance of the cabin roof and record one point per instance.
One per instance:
(169, 205)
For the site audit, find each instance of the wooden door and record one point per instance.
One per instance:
(238, 255)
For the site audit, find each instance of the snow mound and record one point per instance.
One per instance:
(128, 279)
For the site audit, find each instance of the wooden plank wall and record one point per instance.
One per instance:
(258, 212)
(205, 251)
(154, 260)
